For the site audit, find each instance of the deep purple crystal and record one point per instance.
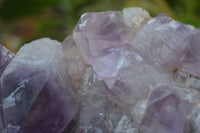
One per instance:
(167, 110)
(37, 95)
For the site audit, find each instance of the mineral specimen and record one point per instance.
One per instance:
(128, 73)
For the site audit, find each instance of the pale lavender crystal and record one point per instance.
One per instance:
(164, 41)
(97, 113)
(37, 95)
(127, 74)
(191, 61)
(98, 31)
(167, 110)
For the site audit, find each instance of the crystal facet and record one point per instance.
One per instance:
(167, 110)
(191, 62)
(98, 31)
(164, 41)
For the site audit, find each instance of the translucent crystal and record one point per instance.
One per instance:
(36, 92)
(97, 113)
(75, 63)
(127, 74)
(191, 62)
(98, 31)
(167, 110)
(164, 41)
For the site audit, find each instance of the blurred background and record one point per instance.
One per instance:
(22, 21)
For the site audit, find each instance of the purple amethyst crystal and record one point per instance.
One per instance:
(36, 92)
(127, 74)
(98, 31)
(167, 110)
(164, 41)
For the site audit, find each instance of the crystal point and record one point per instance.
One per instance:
(36, 92)
(98, 31)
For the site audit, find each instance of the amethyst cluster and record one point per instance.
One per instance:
(119, 72)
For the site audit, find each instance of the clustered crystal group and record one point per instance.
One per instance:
(118, 73)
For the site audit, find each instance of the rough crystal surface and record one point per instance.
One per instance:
(191, 61)
(5, 57)
(135, 17)
(98, 114)
(36, 92)
(128, 76)
(195, 119)
(167, 110)
(164, 41)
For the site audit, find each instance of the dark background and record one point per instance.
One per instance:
(22, 21)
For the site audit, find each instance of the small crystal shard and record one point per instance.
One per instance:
(75, 63)
(135, 17)
(36, 92)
